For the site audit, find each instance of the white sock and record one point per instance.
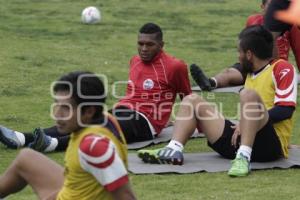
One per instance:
(52, 146)
(246, 151)
(21, 137)
(175, 145)
(215, 80)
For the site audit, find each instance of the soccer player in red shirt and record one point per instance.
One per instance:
(155, 78)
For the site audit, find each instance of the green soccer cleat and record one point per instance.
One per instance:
(240, 166)
(164, 155)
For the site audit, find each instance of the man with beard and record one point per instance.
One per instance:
(267, 104)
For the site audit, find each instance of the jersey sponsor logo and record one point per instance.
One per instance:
(148, 84)
(283, 73)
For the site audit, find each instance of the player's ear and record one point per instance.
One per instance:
(162, 44)
(249, 54)
(88, 113)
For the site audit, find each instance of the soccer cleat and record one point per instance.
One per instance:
(164, 155)
(240, 166)
(200, 78)
(9, 138)
(41, 140)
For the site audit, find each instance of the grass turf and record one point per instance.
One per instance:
(40, 40)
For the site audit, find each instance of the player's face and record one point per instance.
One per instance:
(245, 63)
(65, 113)
(148, 46)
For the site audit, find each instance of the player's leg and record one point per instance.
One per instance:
(193, 111)
(230, 76)
(34, 169)
(134, 126)
(42, 140)
(254, 117)
(49, 139)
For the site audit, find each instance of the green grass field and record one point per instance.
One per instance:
(40, 40)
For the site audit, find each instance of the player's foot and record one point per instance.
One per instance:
(41, 140)
(164, 155)
(9, 138)
(200, 78)
(240, 166)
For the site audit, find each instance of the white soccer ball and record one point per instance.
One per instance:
(90, 15)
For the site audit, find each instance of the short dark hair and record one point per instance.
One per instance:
(258, 40)
(90, 86)
(150, 28)
(263, 2)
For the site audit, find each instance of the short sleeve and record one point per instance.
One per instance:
(285, 81)
(99, 157)
(181, 80)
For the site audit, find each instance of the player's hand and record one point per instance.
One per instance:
(236, 137)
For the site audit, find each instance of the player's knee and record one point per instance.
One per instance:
(192, 99)
(226, 71)
(248, 95)
(24, 155)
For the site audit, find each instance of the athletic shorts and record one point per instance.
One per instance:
(266, 145)
(239, 67)
(134, 126)
(271, 23)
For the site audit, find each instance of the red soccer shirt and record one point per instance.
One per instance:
(152, 87)
(283, 41)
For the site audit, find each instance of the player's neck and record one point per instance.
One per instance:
(259, 64)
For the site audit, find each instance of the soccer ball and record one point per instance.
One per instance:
(90, 15)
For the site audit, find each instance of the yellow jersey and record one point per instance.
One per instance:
(276, 84)
(95, 162)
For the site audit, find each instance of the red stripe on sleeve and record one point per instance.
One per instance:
(285, 95)
(117, 183)
(104, 164)
(286, 104)
(94, 145)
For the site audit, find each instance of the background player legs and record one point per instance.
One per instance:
(229, 77)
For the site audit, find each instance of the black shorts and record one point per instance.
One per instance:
(271, 23)
(134, 126)
(266, 145)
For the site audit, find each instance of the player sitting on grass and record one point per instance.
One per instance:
(155, 79)
(267, 105)
(96, 158)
